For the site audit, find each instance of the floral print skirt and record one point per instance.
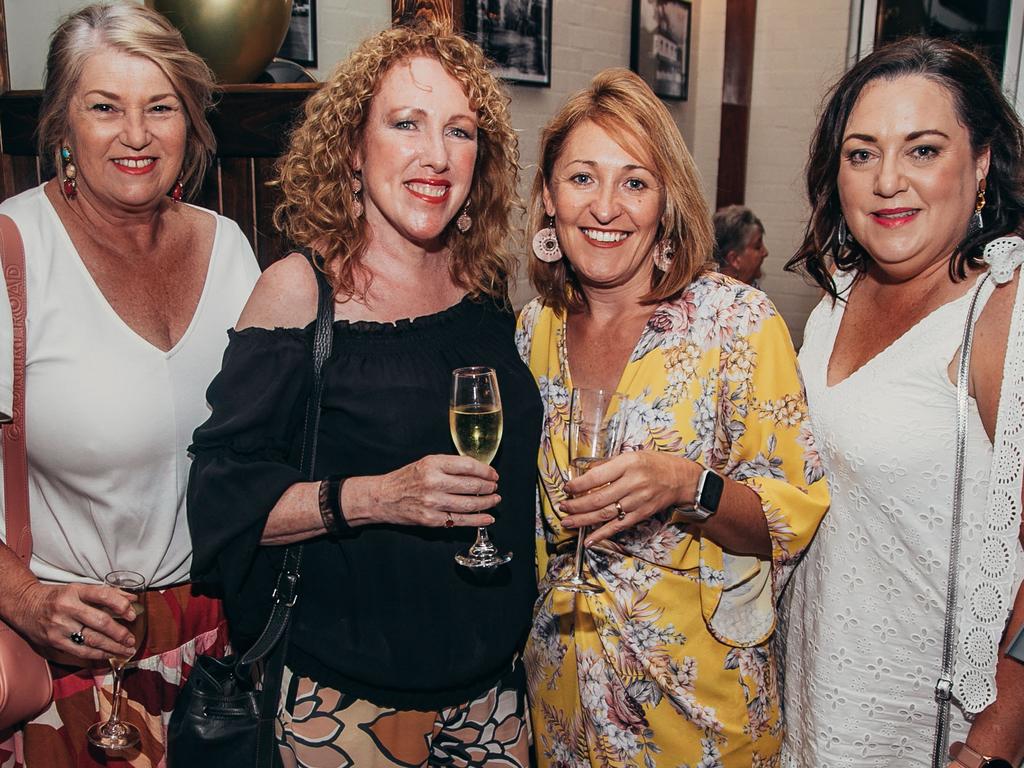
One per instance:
(319, 727)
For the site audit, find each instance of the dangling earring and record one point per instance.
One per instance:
(663, 254)
(545, 243)
(842, 235)
(464, 222)
(69, 184)
(978, 223)
(177, 191)
(357, 204)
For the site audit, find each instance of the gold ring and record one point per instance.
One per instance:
(618, 511)
(449, 522)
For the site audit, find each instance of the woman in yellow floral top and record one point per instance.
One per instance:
(671, 665)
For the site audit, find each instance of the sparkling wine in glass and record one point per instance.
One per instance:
(115, 735)
(596, 427)
(474, 417)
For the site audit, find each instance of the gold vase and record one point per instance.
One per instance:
(238, 38)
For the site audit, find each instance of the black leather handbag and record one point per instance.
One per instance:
(224, 716)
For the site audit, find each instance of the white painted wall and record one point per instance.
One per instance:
(799, 49)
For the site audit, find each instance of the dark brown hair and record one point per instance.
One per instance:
(981, 108)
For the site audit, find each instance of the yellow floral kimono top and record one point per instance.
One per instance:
(670, 667)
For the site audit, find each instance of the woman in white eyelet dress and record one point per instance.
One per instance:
(863, 617)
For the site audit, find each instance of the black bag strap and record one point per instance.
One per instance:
(274, 638)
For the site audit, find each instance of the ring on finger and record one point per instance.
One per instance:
(449, 521)
(618, 511)
(77, 637)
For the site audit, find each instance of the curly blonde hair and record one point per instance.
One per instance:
(315, 174)
(621, 103)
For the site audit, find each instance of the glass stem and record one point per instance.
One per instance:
(483, 543)
(115, 707)
(579, 553)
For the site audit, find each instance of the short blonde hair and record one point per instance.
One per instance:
(138, 31)
(621, 103)
(315, 175)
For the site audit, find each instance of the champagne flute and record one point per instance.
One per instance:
(474, 417)
(596, 429)
(115, 735)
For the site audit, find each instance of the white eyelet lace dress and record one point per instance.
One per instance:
(863, 615)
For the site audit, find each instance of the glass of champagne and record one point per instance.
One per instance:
(474, 417)
(114, 734)
(596, 427)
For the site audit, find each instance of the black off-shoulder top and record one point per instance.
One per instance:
(384, 612)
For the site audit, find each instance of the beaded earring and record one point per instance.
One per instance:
(464, 222)
(978, 223)
(177, 191)
(69, 172)
(357, 204)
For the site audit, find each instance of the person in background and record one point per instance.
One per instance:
(698, 523)
(739, 244)
(402, 181)
(130, 291)
(916, 187)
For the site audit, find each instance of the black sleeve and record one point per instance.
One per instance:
(246, 454)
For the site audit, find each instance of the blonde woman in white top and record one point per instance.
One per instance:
(130, 293)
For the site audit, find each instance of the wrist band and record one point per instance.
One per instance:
(330, 505)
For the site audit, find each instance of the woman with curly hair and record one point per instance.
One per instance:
(398, 185)
(698, 523)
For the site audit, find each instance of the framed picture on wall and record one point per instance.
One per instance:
(515, 34)
(660, 50)
(300, 43)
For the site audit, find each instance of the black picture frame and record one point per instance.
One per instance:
(300, 42)
(515, 34)
(660, 46)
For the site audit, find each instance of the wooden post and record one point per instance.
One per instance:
(5, 63)
(737, 84)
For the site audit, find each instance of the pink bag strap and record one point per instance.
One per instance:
(19, 526)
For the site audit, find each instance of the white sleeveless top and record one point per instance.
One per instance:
(865, 610)
(108, 415)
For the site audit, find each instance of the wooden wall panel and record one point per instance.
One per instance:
(270, 243)
(737, 85)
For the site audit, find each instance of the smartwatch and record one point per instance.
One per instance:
(709, 494)
(962, 754)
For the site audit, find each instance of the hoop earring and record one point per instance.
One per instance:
(545, 243)
(663, 255)
(843, 236)
(70, 173)
(465, 221)
(357, 204)
(177, 191)
(977, 222)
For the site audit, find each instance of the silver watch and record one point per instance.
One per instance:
(709, 494)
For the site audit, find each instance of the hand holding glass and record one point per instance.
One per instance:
(474, 417)
(595, 435)
(115, 735)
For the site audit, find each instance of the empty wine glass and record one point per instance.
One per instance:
(596, 428)
(114, 734)
(474, 416)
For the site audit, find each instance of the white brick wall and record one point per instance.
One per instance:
(799, 51)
